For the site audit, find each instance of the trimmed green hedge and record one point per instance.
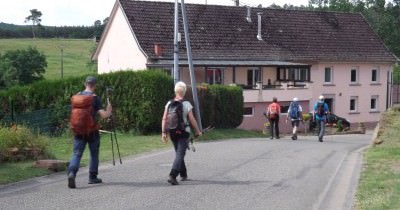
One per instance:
(221, 106)
(138, 97)
(138, 100)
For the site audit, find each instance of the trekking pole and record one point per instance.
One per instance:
(115, 137)
(113, 132)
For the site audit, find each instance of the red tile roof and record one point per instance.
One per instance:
(222, 33)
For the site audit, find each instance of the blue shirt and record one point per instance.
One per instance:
(326, 109)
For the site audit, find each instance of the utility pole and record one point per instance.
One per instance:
(191, 68)
(176, 43)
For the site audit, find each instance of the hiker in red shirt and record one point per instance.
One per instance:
(273, 112)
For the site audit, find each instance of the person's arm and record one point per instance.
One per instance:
(301, 112)
(106, 113)
(193, 122)
(163, 128)
(288, 113)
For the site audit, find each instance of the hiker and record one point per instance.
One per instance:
(175, 122)
(273, 112)
(320, 111)
(295, 115)
(85, 106)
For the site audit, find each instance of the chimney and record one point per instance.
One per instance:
(157, 49)
(259, 37)
(237, 3)
(248, 18)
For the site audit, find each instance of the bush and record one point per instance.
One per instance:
(19, 143)
(221, 106)
(138, 100)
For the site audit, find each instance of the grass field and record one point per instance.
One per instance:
(379, 186)
(61, 148)
(76, 54)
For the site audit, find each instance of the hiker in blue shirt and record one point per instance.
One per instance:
(320, 111)
(295, 115)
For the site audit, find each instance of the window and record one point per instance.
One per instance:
(214, 76)
(374, 103)
(353, 104)
(375, 75)
(253, 76)
(294, 74)
(328, 75)
(354, 75)
(284, 109)
(248, 111)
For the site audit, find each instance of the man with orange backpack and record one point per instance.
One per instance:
(85, 106)
(273, 112)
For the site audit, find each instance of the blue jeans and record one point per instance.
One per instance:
(180, 145)
(321, 128)
(79, 146)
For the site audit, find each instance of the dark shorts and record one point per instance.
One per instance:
(295, 123)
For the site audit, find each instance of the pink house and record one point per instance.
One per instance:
(300, 54)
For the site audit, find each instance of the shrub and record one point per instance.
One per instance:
(138, 100)
(18, 143)
(221, 106)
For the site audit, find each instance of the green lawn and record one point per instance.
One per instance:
(76, 54)
(61, 148)
(379, 186)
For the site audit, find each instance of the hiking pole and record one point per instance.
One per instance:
(113, 132)
(115, 137)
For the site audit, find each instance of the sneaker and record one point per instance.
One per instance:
(278, 137)
(320, 140)
(95, 181)
(271, 138)
(293, 137)
(172, 181)
(71, 181)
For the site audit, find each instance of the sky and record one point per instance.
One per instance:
(85, 12)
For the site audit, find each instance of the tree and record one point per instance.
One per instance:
(35, 19)
(22, 67)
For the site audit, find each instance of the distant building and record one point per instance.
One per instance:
(300, 54)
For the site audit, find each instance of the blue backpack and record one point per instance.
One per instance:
(294, 111)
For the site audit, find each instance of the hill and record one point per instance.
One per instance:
(77, 54)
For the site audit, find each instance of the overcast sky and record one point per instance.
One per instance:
(85, 12)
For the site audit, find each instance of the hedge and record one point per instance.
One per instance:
(221, 106)
(138, 100)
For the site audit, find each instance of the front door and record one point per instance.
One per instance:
(329, 102)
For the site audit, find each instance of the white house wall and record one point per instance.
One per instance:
(120, 50)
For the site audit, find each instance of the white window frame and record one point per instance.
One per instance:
(357, 75)
(331, 75)
(252, 111)
(376, 97)
(355, 98)
(377, 75)
(213, 69)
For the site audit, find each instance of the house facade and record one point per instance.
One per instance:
(269, 52)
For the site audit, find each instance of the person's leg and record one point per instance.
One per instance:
(322, 130)
(94, 147)
(271, 128)
(277, 128)
(178, 165)
(74, 163)
(183, 172)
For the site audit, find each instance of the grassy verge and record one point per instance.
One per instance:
(379, 186)
(61, 148)
(76, 54)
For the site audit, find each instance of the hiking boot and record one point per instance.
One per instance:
(95, 181)
(278, 137)
(320, 140)
(271, 138)
(293, 137)
(172, 180)
(71, 181)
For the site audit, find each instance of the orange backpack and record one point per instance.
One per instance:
(82, 121)
(273, 111)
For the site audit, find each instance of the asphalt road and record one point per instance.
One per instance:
(235, 174)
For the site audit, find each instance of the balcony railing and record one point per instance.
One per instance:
(279, 86)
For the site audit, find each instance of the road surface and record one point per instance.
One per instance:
(234, 174)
